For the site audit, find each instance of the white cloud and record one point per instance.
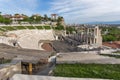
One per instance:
(18, 6)
(81, 11)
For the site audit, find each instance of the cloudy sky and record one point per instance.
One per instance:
(74, 11)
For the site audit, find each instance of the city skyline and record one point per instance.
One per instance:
(78, 11)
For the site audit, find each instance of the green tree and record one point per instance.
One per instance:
(35, 18)
(46, 17)
(1, 19)
(112, 35)
(70, 29)
(60, 27)
(7, 21)
(109, 38)
(59, 20)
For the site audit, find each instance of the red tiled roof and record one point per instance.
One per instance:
(115, 44)
(118, 42)
(7, 16)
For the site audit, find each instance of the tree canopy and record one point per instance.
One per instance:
(113, 34)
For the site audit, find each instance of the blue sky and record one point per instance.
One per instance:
(74, 11)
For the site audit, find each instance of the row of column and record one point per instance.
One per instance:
(88, 36)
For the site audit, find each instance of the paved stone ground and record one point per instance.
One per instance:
(77, 57)
(46, 71)
(32, 77)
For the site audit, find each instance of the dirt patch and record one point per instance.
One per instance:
(47, 47)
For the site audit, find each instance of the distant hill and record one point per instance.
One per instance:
(109, 22)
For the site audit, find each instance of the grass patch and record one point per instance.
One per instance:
(104, 71)
(2, 30)
(30, 27)
(9, 28)
(39, 27)
(47, 27)
(20, 27)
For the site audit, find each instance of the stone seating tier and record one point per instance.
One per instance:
(30, 38)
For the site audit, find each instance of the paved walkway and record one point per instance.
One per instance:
(46, 71)
(77, 57)
(34, 77)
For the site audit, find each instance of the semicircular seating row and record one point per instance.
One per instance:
(29, 38)
(7, 40)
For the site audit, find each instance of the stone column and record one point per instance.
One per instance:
(90, 41)
(30, 68)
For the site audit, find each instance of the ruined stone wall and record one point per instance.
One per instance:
(9, 70)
